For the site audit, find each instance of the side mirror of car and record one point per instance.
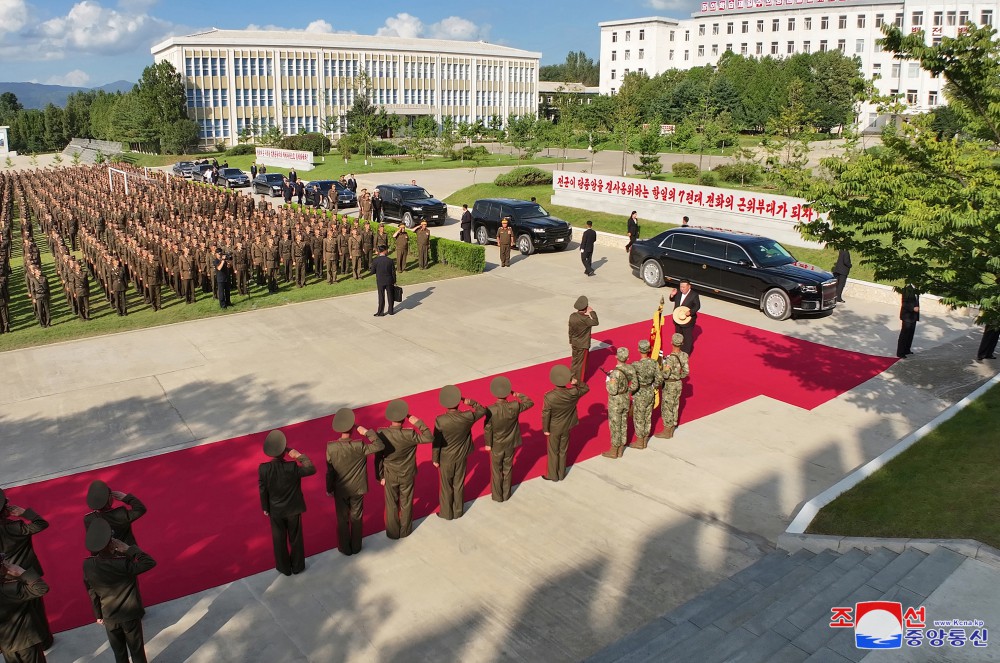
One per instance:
(744, 263)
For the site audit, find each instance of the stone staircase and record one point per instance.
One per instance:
(778, 609)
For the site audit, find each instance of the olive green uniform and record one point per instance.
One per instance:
(347, 483)
(558, 418)
(396, 465)
(502, 432)
(452, 446)
(675, 369)
(649, 378)
(620, 386)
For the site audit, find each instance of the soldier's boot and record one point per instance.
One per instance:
(620, 450)
(612, 452)
(666, 433)
(640, 443)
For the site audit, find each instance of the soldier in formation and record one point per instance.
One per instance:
(621, 384)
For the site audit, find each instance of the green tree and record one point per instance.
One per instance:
(9, 106)
(649, 145)
(421, 137)
(925, 209)
(577, 68)
(76, 116)
(181, 137)
(134, 122)
(160, 94)
(53, 133)
(521, 132)
(102, 111)
(448, 135)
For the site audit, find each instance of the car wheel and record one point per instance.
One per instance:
(776, 304)
(482, 237)
(407, 219)
(525, 245)
(652, 274)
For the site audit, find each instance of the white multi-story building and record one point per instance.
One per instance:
(780, 28)
(235, 79)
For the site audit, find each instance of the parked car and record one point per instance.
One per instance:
(268, 183)
(233, 178)
(183, 168)
(318, 191)
(745, 267)
(410, 204)
(534, 228)
(199, 170)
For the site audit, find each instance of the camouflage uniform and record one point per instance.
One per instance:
(648, 380)
(675, 368)
(624, 379)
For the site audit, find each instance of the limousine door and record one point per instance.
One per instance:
(709, 263)
(740, 277)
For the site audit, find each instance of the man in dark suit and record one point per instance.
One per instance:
(347, 479)
(100, 498)
(633, 229)
(396, 466)
(558, 417)
(988, 345)
(384, 269)
(21, 639)
(452, 446)
(280, 484)
(840, 270)
(352, 183)
(466, 224)
(111, 578)
(587, 248)
(684, 296)
(909, 314)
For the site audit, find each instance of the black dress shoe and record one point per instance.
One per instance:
(392, 313)
(991, 356)
(547, 478)
(378, 315)
(841, 301)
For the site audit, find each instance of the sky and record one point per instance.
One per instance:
(94, 42)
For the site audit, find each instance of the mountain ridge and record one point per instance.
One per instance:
(38, 95)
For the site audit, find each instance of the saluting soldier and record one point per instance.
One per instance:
(21, 638)
(559, 417)
(580, 323)
(101, 499)
(17, 529)
(280, 484)
(347, 479)
(452, 446)
(402, 248)
(675, 369)
(396, 466)
(505, 239)
(620, 384)
(424, 244)
(111, 577)
(502, 432)
(382, 237)
(649, 378)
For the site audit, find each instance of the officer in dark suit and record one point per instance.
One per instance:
(988, 344)
(558, 417)
(100, 498)
(633, 230)
(466, 225)
(840, 270)
(347, 479)
(280, 484)
(396, 466)
(17, 527)
(502, 431)
(909, 314)
(21, 639)
(587, 248)
(384, 269)
(684, 322)
(452, 446)
(111, 578)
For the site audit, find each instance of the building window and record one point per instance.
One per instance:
(842, 23)
(729, 28)
(842, 45)
(822, 46)
(932, 98)
(670, 56)
(743, 49)
(613, 74)
(950, 18)
(614, 37)
(894, 93)
(628, 54)
(745, 27)
(878, 45)
(775, 24)
(642, 35)
(715, 49)
(701, 30)
(859, 45)
(897, 68)
(612, 92)
(791, 24)
(936, 41)
(898, 20)
(807, 23)
(628, 35)
(687, 35)
(877, 69)
(806, 47)
(760, 25)
(911, 97)
(938, 19)
(701, 50)
(824, 23)
(686, 55)
(913, 70)
(963, 17)
(774, 48)
(760, 48)
(917, 19)
(861, 20)
(986, 17)
(790, 48)
(671, 35)
(642, 53)
(614, 56)
(729, 48)
(715, 28)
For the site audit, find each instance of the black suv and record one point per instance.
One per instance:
(411, 204)
(534, 228)
(746, 267)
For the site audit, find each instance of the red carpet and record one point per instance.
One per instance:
(205, 526)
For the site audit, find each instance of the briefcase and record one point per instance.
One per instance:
(397, 293)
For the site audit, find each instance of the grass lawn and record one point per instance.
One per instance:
(333, 166)
(943, 487)
(26, 332)
(616, 223)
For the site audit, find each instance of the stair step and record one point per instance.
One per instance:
(730, 645)
(761, 650)
(789, 654)
(833, 595)
(930, 573)
(774, 613)
(897, 569)
(634, 640)
(815, 636)
(827, 656)
(773, 593)
(653, 649)
(703, 601)
(692, 648)
(777, 558)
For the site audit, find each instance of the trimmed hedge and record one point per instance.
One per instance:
(241, 150)
(313, 142)
(524, 176)
(685, 169)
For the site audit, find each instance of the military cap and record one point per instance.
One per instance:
(275, 443)
(500, 386)
(581, 303)
(98, 494)
(450, 396)
(644, 346)
(622, 354)
(343, 421)
(677, 340)
(560, 375)
(396, 410)
(98, 535)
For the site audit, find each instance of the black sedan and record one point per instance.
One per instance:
(232, 178)
(201, 172)
(748, 268)
(318, 194)
(183, 168)
(268, 184)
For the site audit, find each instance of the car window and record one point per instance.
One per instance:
(735, 253)
(683, 242)
(667, 242)
(769, 253)
(494, 213)
(531, 212)
(415, 194)
(505, 211)
(710, 248)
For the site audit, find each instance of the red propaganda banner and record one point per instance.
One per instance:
(272, 156)
(759, 205)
